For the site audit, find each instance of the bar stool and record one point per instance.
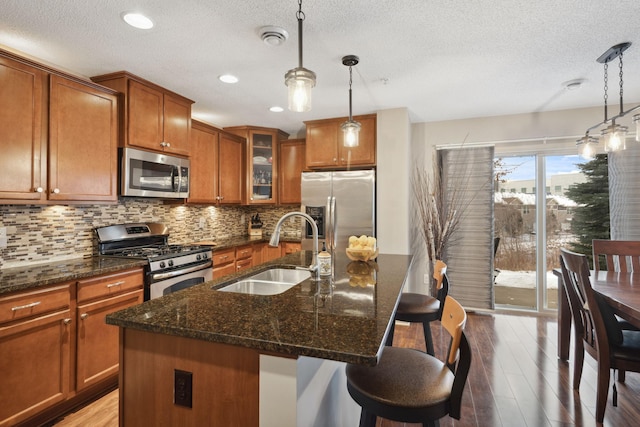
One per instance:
(410, 386)
(422, 308)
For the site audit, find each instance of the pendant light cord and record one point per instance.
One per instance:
(300, 16)
(350, 82)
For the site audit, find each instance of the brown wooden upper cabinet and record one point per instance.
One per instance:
(59, 135)
(261, 162)
(217, 165)
(290, 166)
(153, 118)
(325, 144)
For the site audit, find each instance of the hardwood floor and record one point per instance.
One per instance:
(516, 379)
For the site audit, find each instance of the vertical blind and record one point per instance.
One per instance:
(469, 256)
(624, 193)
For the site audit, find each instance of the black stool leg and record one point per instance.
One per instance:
(427, 337)
(367, 419)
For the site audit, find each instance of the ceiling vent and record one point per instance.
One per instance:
(273, 36)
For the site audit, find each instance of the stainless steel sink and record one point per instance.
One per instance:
(286, 275)
(269, 282)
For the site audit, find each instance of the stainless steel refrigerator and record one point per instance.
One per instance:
(342, 204)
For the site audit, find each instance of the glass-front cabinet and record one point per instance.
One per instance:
(262, 162)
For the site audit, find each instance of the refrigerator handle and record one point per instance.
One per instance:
(334, 219)
(328, 223)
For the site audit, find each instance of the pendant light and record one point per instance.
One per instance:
(614, 135)
(351, 128)
(299, 80)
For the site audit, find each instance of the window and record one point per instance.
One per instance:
(523, 190)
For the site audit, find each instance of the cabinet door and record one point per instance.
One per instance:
(204, 174)
(145, 124)
(97, 342)
(22, 135)
(262, 164)
(270, 253)
(365, 153)
(258, 253)
(83, 141)
(231, 170)
(177, 122)
(322, 144)
(34, 365)
(291, 163)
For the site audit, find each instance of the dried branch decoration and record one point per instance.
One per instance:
(439, 210)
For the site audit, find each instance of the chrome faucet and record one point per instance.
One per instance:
(275, 238)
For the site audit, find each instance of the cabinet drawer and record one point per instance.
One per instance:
(224, 270)
(243, 252)
(224, 257)
(112, 284)
(243, 264)
(33, 303)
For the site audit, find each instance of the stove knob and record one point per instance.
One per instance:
(162, 265)
(198, 257)
(170, 263)
(205, 256)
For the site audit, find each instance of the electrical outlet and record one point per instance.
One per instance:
(426, 278)
(201, 223)
(182, 388)
(3, 231)
(3, 242)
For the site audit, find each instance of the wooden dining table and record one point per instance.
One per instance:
(620, 290)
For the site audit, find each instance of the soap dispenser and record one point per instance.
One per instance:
(324, 261)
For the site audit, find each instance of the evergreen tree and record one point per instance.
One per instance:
(591, 216)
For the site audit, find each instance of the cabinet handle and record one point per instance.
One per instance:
(335, 159)
(55, 191)
(22, 307)
(168, 144)
(224, 257)
(66, 321)
(163, 144)
(221, 197)
(39, 190)
(84, 316)
(111, 285)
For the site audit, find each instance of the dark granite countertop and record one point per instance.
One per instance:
(231, 242)
(24, 278)
(34, 276)
(348, 326)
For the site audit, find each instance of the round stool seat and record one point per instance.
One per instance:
(406, 385)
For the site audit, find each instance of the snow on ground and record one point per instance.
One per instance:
(524, 279)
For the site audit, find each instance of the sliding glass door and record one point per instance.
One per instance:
(532, 222)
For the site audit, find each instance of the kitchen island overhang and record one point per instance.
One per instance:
(230, 341)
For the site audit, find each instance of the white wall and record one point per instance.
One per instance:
(392, 155)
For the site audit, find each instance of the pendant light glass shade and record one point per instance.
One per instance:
(614, 137)
(588, 149)
(300, 81)
(351, 130)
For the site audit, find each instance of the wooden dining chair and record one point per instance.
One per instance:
(597, 331)
(620, 255)
(411, 386)
(422, 308)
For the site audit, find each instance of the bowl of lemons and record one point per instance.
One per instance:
(362, 248)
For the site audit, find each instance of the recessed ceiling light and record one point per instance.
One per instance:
(228, 78)
(137, 20)
(276, 109)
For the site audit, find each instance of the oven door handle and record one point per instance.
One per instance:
(162, 276)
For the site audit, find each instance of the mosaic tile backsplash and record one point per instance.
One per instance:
(38, 234)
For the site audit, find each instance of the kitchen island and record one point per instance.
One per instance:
(203, 357)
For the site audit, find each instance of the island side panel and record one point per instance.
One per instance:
(225, 381)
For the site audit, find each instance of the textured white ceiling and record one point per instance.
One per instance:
(442, 59)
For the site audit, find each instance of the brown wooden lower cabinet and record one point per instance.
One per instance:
(56, 349)
(97, 356)
(35, 357)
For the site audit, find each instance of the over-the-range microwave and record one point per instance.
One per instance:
(148, 174)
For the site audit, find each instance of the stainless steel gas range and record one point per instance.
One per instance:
(170, 268)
